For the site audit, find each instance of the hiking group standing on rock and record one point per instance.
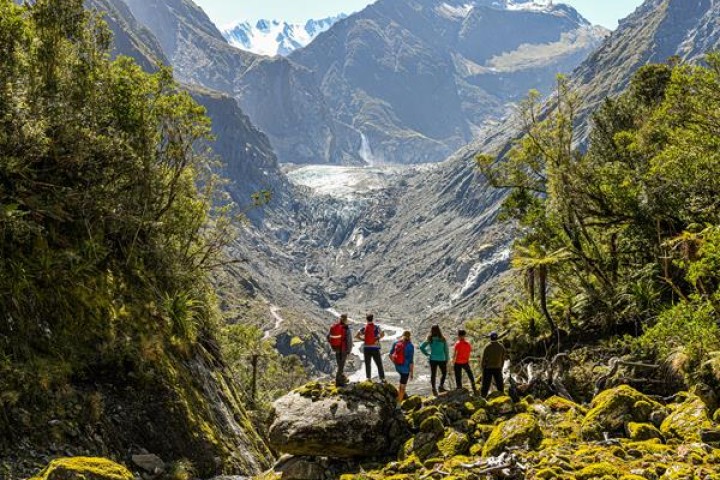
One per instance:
(402, 354)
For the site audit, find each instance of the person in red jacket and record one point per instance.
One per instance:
(340, 339)
(461, 361)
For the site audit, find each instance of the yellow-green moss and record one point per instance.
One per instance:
(613, 409)
(548, 473)
(597, 470)
(686, 421)
(501, 405)
(560, 404)
(516, 432)
(453, 444)
(432, 424)
(642, 431)
(678, 472)
(84, 468)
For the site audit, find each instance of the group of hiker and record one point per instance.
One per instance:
(402, 354)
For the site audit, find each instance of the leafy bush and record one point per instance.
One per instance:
(105, 245)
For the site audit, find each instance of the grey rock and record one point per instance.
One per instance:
(150, 463)
(350, 424)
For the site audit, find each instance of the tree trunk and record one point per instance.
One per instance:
(530, 285)
(542, 280)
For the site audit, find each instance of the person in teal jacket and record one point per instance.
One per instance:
(436, 349)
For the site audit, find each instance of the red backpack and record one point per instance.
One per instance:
(337, 336)
(398, 353)
(371, 334)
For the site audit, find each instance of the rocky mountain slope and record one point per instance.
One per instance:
(656, 32)
(443, 228)
(272, 37)
(419, 79)
(410, 81)
(129, 37)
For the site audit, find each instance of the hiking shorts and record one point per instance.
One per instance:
(404, 377)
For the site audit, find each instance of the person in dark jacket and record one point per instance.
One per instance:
(341, 354)
(493, 359)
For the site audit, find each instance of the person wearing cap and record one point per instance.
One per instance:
(493, 359)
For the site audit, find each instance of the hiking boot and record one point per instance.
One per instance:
(442, 389)
(435, 392)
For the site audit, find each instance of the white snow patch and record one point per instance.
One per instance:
(478, 269)
(454, 12)
(273, 37)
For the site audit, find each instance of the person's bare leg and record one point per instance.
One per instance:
(401, 394)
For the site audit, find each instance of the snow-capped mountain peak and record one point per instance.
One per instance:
(273, 37)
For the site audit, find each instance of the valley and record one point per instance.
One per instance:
(177, 241)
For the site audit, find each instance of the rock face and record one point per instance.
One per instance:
(359, 421)
(84, 468)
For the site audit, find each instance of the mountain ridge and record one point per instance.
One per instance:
(276, 37)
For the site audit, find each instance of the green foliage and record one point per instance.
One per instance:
(276, 374)
(625, 233)
(105, 244)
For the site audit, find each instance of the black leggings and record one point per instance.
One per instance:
(434, 365)
(373, 354)
(458, 375)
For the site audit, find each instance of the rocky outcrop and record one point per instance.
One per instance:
(320, 420)
(687, 420)
(614, 409)
(84, 468)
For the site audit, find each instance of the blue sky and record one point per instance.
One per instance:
(227, 12)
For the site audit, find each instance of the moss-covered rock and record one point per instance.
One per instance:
(423, 414)
(501, 405)
(687, 420)
(480, 416)
(453, 444)
(518, 431)
(413, 403)
(642, 431)
(84, 468)
(678, 472)
(613, 409)
(597, 471)
(432, 424)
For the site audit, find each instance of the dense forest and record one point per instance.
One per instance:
(620, 236)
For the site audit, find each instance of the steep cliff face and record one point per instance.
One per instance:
(179, 405)
(129, 38)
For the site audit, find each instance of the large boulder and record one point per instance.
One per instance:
(687, 420)
(519, 431)
(613, 409)
(84, 468)
(357, 421)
